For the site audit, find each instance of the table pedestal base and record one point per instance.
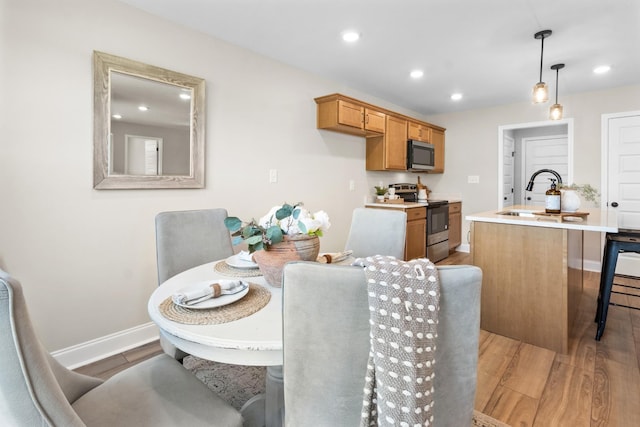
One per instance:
(267, 410)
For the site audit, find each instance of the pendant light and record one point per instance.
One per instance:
(540, 91)
(555, 112)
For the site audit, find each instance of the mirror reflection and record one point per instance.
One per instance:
(148, 126)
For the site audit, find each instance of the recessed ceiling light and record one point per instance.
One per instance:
(350, 36)
(456, 96)
(143, 108)
(601, 69)
(185, 96)
(416, 74)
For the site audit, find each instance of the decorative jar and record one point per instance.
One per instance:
(271, 260)
(569, 200)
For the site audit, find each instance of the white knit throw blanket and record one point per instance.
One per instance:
(403, 303)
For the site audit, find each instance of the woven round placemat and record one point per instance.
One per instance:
(227, 270)
(257, 297)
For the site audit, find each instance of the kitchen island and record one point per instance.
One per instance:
(532, 268)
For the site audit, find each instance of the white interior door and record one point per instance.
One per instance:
(545, 152)
(508, 168)
(623, 179)
(143, 155)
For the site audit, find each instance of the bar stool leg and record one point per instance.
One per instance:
(606, 283)
(602, 281)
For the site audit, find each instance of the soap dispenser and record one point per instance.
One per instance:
(552, 199)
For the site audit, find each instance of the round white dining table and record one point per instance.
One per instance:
(253, 340)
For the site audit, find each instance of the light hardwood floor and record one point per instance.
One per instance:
(595, 384)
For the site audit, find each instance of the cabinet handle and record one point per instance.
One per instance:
(362, 120)
(614, 204)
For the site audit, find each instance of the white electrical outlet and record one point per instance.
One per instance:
(473, 179)
(352, 185)
(273, 176)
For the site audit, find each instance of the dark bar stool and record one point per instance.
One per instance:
(623, 241)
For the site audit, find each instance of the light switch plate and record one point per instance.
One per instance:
(473, 179)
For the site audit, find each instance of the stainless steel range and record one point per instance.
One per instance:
(437, 221)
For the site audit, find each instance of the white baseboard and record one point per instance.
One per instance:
(103, 347)
(464, 247)
(592, 265)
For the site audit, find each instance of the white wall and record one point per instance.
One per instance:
(86, 258)
(472, 147)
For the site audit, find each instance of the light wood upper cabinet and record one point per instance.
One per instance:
(386, 131)
(418, 131)
(345, 115)
(388, 151)
(374, 121)
(437, 139)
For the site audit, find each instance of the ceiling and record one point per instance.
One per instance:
(165, 107)
(485, 50)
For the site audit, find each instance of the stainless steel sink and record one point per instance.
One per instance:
(518, 212)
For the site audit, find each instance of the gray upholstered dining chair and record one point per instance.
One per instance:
(185, 239)
(377, 232)
(326, 344)
(36, 390)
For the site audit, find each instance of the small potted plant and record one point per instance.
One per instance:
(570, 201)
(380, 192)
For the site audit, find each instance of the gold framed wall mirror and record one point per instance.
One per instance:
(149, 126)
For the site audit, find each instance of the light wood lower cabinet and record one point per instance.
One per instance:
(415, 245)
(455, 225)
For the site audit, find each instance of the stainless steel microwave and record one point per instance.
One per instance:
(420, 155)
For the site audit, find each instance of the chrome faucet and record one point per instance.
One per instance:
(536, 173)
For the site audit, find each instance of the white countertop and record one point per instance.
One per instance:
(409, 204)
(602, 220)
(397, 205)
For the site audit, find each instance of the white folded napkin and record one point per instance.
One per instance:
(245, 256)
(334, 257)
(209, 290)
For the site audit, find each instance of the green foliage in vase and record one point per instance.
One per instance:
(280, 221)
(380, 191)
(587, 192)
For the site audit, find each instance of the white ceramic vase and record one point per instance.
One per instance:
(569, 201)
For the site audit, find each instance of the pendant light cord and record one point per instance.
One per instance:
(541, 57)
(557, 72)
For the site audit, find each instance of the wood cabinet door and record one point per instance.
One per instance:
(374, 120)
(437, 139)
(455, 230)
(396, 144)
(418, 132)
(416, 240)
(350, 114)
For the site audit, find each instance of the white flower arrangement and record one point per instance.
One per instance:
(299, 221)
(280, 221)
